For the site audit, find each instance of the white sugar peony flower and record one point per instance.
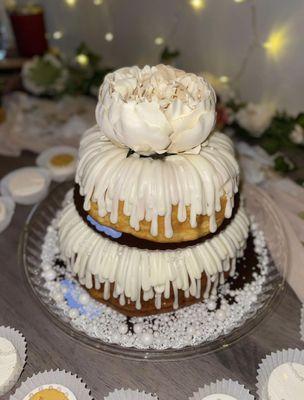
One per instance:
(297, 134)
(156, 109)
(255, 118)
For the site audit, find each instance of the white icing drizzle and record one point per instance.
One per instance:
(149, 188)
(149, 274)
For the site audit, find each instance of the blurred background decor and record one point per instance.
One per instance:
(55, 54)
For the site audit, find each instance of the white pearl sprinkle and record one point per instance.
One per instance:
(147, 338)
(253, 297)
(58, 297)
(73, 313)
(84, 299)
(123, 329)
(49, 275)
(46, 267)
(220, 315)
(115, 337)
(211, 305)
(138, 328)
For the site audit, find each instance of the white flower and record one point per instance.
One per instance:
(297, 135)
(156, 109)
(255, 118)
(44, 75)
(255, 163)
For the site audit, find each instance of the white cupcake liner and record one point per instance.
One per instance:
(49, 378)
(272, 361)
(128, 394)
(224, 387)
(10, 208)
(30, 199)
(44, 156)
(19, 342)
(302, 323)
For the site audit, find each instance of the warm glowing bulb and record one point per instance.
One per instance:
(224, 79)
(57, 35)
(239, 1)
(159, 40)
(70, 3)
(197, 4)
(109, 36)
(276, 42)
(82, 59)
(98, 2)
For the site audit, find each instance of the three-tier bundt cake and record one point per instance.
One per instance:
(156, 221)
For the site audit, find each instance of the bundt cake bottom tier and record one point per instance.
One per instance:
(148, 307)
(242, 274)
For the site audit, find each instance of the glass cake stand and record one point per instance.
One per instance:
(258, 204)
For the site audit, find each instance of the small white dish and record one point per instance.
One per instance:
(7, 208)
(27, 185)
(60, 161)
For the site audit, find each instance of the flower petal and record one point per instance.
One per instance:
(196, 133)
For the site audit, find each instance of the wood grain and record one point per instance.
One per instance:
(49, 347)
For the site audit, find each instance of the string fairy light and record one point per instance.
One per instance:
(224, 79)
(70, 3)
(57, 35)
(159, 40)
(82, 59)
(254, 43)
(276, 42)
(109, 36)
(274, 45)
(197, 4)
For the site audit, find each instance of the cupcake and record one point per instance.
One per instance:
(128, 394)
(222, 390)
(61, 162)
(26, 185)
(12, 357)
(50, 392)
(7, 208)
(52, 385)
(281, 376)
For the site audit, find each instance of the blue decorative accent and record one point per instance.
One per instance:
(70, 296)
(105, 229)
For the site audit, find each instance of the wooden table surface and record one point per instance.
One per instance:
(49, 347)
